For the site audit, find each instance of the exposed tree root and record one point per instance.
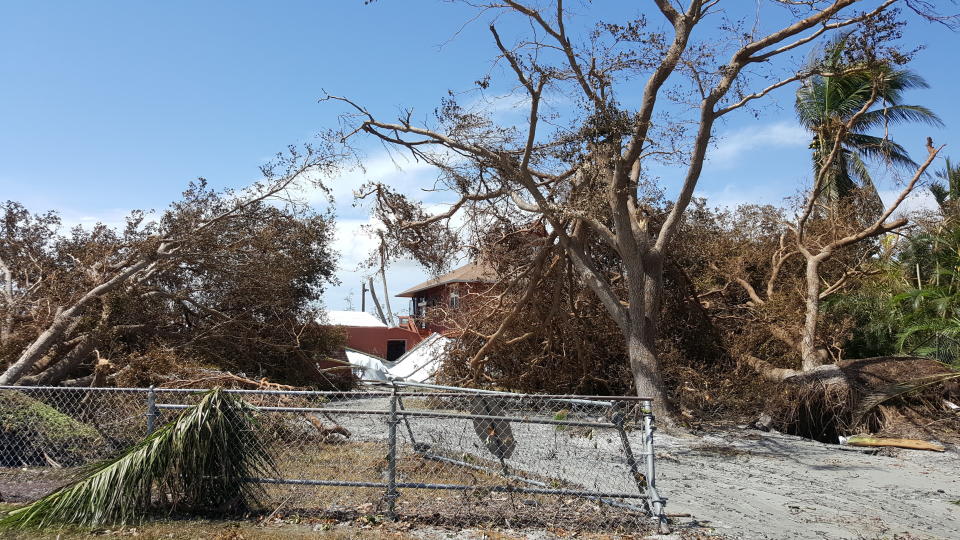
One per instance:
(825, 403)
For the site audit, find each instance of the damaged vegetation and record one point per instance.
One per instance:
(811, 313)
(832, 314)
(220, 281)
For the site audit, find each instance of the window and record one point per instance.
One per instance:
(454, 297)
(396, 348)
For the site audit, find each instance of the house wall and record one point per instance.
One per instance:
(428, 320)
(373, 339)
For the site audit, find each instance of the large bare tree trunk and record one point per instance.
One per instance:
(812, 354)
(645, 365)
(376, 302)
(6, 325)
(59, 372)
(47, 339)
(383, 277)
(54, 332)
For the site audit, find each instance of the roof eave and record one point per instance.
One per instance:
(409, 293)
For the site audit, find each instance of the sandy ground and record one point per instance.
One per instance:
(750, 484)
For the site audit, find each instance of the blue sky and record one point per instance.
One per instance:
(109, 106)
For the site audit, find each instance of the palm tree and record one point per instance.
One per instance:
(947, 192)
(929, 309)
(826, 103)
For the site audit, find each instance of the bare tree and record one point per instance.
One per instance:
(591, 179)
(816, 241)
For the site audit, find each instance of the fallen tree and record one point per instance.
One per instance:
(227, 279)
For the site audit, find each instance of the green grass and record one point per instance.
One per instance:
(560, 416)
(32, 432)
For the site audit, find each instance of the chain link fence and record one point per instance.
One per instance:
(433, 454)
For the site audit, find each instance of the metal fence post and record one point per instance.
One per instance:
(151, 409)
(392, 422)
(656, 503)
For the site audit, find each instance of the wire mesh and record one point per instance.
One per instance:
(441, 456)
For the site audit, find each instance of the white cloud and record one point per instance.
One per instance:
(502, 105)
(732, 145)
(115, 219)
(397, 170)
(731, 196)
(919, 200)
(354, 244)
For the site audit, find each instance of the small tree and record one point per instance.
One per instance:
(817, 238)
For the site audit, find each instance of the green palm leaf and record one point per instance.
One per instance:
(949, 191)
(897, 114)
(879, 149)
(198, 462)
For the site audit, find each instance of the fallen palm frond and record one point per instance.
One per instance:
(875, 399)
(198, 462)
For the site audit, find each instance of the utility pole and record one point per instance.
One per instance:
(363, 296)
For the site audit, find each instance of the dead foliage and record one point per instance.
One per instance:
(826, 411)
(539, 329)
(220, 278)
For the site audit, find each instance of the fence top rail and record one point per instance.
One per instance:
(474, 391)
(424, 414)
(344, 393)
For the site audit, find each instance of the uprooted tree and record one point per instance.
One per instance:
(776, 287)
(589, 173)
(830, 243)
(815, 242)
(225, 279)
